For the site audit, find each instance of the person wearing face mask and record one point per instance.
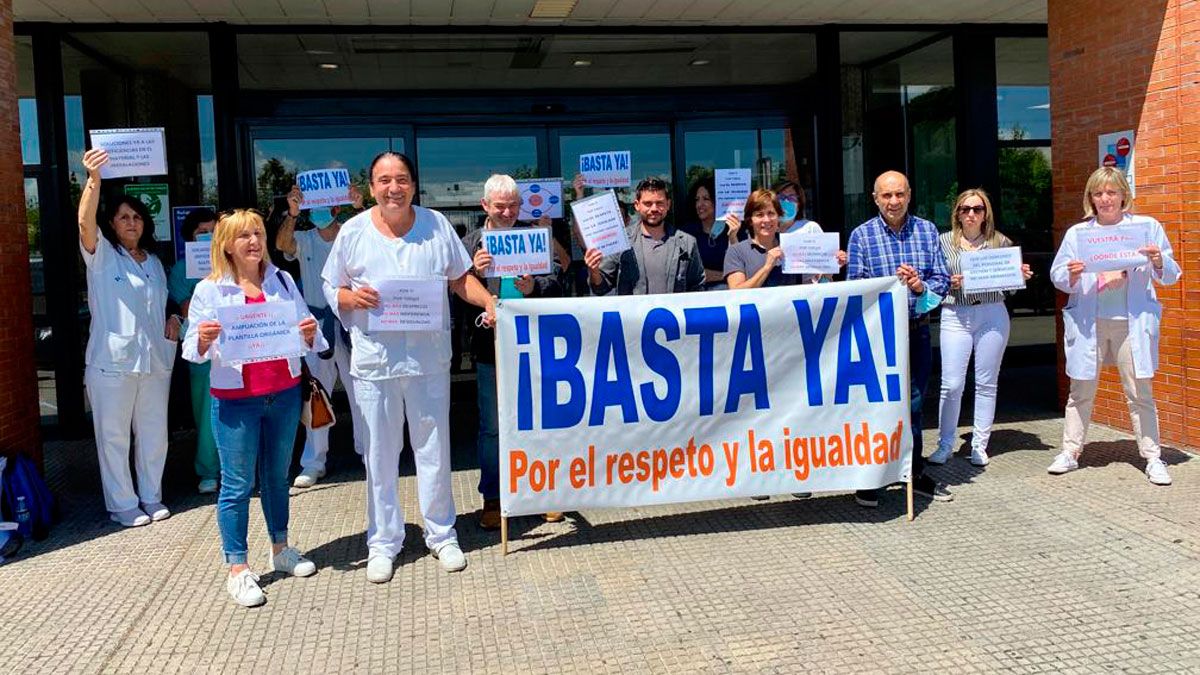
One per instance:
(197, 226)
(1112, 317)
(502, 204)
(402, 375)
(660, 259)
(757, 262)
(712, 234)
(130, 351)
(310, 249)
(975, 323)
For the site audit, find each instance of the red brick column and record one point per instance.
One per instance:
(1136, 65)
(19, 411)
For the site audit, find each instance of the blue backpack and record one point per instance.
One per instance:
(21, 479)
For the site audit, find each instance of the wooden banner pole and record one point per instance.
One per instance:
(504, 530)
(909, 490)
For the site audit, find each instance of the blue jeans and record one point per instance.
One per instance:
(920, 362)
(260, 430)
(487, 443)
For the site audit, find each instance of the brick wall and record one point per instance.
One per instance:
(19, 413)
(1136, 65)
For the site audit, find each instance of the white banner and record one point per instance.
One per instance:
(626, 401)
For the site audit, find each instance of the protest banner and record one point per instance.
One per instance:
(324, 188)
(132, 152)
(540, 197)
(197, 259)
(1112, 247)
(259, 332)
(518, 250)
(409, 304)
(810, 253)
(733, 187)
(611, 169)
(992, 269)
(638, 400)
(600, 222)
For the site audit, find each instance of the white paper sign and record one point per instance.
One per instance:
(600, 222)
(606, 169)
(198, 259)
(541, 197)
(132, 152)
(518, 250)
(733, 187)
(1114, 247)
(409, 305)
(992, 269)
(814, 253)
(259, 332)
(323, 188)
(1116, 150)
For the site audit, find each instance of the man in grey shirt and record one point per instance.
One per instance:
(659, 260)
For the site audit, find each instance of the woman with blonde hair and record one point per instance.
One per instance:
(1112, 316)
(255, 406)
(971, 323)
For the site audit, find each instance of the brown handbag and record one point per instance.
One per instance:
(316, 410)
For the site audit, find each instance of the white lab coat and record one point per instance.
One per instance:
(210, 295)
(1144, 310)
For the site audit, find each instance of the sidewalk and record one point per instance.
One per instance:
(1022, 572)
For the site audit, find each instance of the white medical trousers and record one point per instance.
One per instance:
(121, 403)
(316, 443)
(424, 400)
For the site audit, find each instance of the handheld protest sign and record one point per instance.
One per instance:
(517, 251)
(323, 188)
(132, 152)
(600, 222)
(612, 169)
(541, 197)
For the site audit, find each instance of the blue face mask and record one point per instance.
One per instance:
(789, 209)
(204, 236)
(322, 218)
(718, 227)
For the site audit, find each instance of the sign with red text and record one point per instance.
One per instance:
(1113, 247)
(252, 332)
(637, 400)
(409, 304)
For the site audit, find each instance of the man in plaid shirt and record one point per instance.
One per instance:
(898, 243)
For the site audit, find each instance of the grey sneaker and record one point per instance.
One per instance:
(942, 456)
(130, 518)
(379, 569)
(451, 557)
(1156, 471)
(289, 561)
(156, 511)
(244, 588)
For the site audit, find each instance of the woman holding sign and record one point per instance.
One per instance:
(256, 366)
(1112, 314)
(971, 322)
(197, 226)
(713, 237)
(131, 348)
(758, 261)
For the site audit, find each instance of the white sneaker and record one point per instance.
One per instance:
(130, 518)
(289, 561)
(207, 486)
(942, 455)
(244, 588)
(1063, 463)
(156, 511)
(308, 478)
(451, 557)
(1156, 471)
(979, 457)
(379, 569)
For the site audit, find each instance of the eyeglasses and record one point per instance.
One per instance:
(972, 209)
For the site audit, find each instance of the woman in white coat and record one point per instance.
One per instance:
(1113, 317)
(130, 350)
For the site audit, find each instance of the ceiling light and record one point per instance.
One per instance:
(328, 66)
(582, 63)
(700, 62)
(552, 9)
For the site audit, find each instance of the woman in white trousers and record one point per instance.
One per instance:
(971, 323)
(131, 349)
(1112, 316)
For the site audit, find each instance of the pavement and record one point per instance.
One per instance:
(1094, 571)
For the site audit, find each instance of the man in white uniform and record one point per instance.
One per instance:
(399, 375)
(311, 249)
